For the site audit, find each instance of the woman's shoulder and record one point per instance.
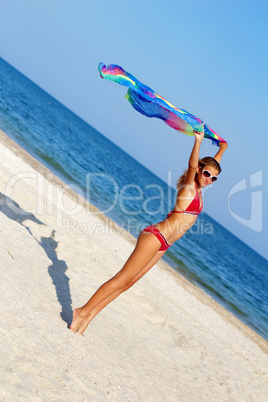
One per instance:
(187, 188)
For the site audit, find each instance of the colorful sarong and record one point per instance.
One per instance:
(147, 102)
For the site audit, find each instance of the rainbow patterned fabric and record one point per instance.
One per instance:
(147, 102)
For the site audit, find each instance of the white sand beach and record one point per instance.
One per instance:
(163, 340)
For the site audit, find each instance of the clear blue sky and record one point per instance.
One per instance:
(209, 57)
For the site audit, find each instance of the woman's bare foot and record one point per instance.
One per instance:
(77, 322)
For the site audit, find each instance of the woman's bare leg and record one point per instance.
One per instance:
(144, 256)
(95, 310)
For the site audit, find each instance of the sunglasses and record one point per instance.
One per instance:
(207, 174)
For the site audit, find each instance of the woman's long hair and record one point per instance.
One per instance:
(206, 161)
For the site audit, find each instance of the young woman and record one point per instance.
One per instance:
(154, 240)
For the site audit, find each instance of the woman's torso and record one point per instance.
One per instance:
(187, 208)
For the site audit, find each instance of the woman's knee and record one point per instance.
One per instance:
(121, 282)
(128, 285)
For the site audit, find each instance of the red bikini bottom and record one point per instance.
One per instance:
(159, 236)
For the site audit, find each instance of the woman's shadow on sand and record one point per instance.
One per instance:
(57, 270)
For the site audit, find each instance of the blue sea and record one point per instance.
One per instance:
(208, 255)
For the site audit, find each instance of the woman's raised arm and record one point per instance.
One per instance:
(223, 146)
(194, 157)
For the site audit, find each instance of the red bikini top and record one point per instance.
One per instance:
(194, 208)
